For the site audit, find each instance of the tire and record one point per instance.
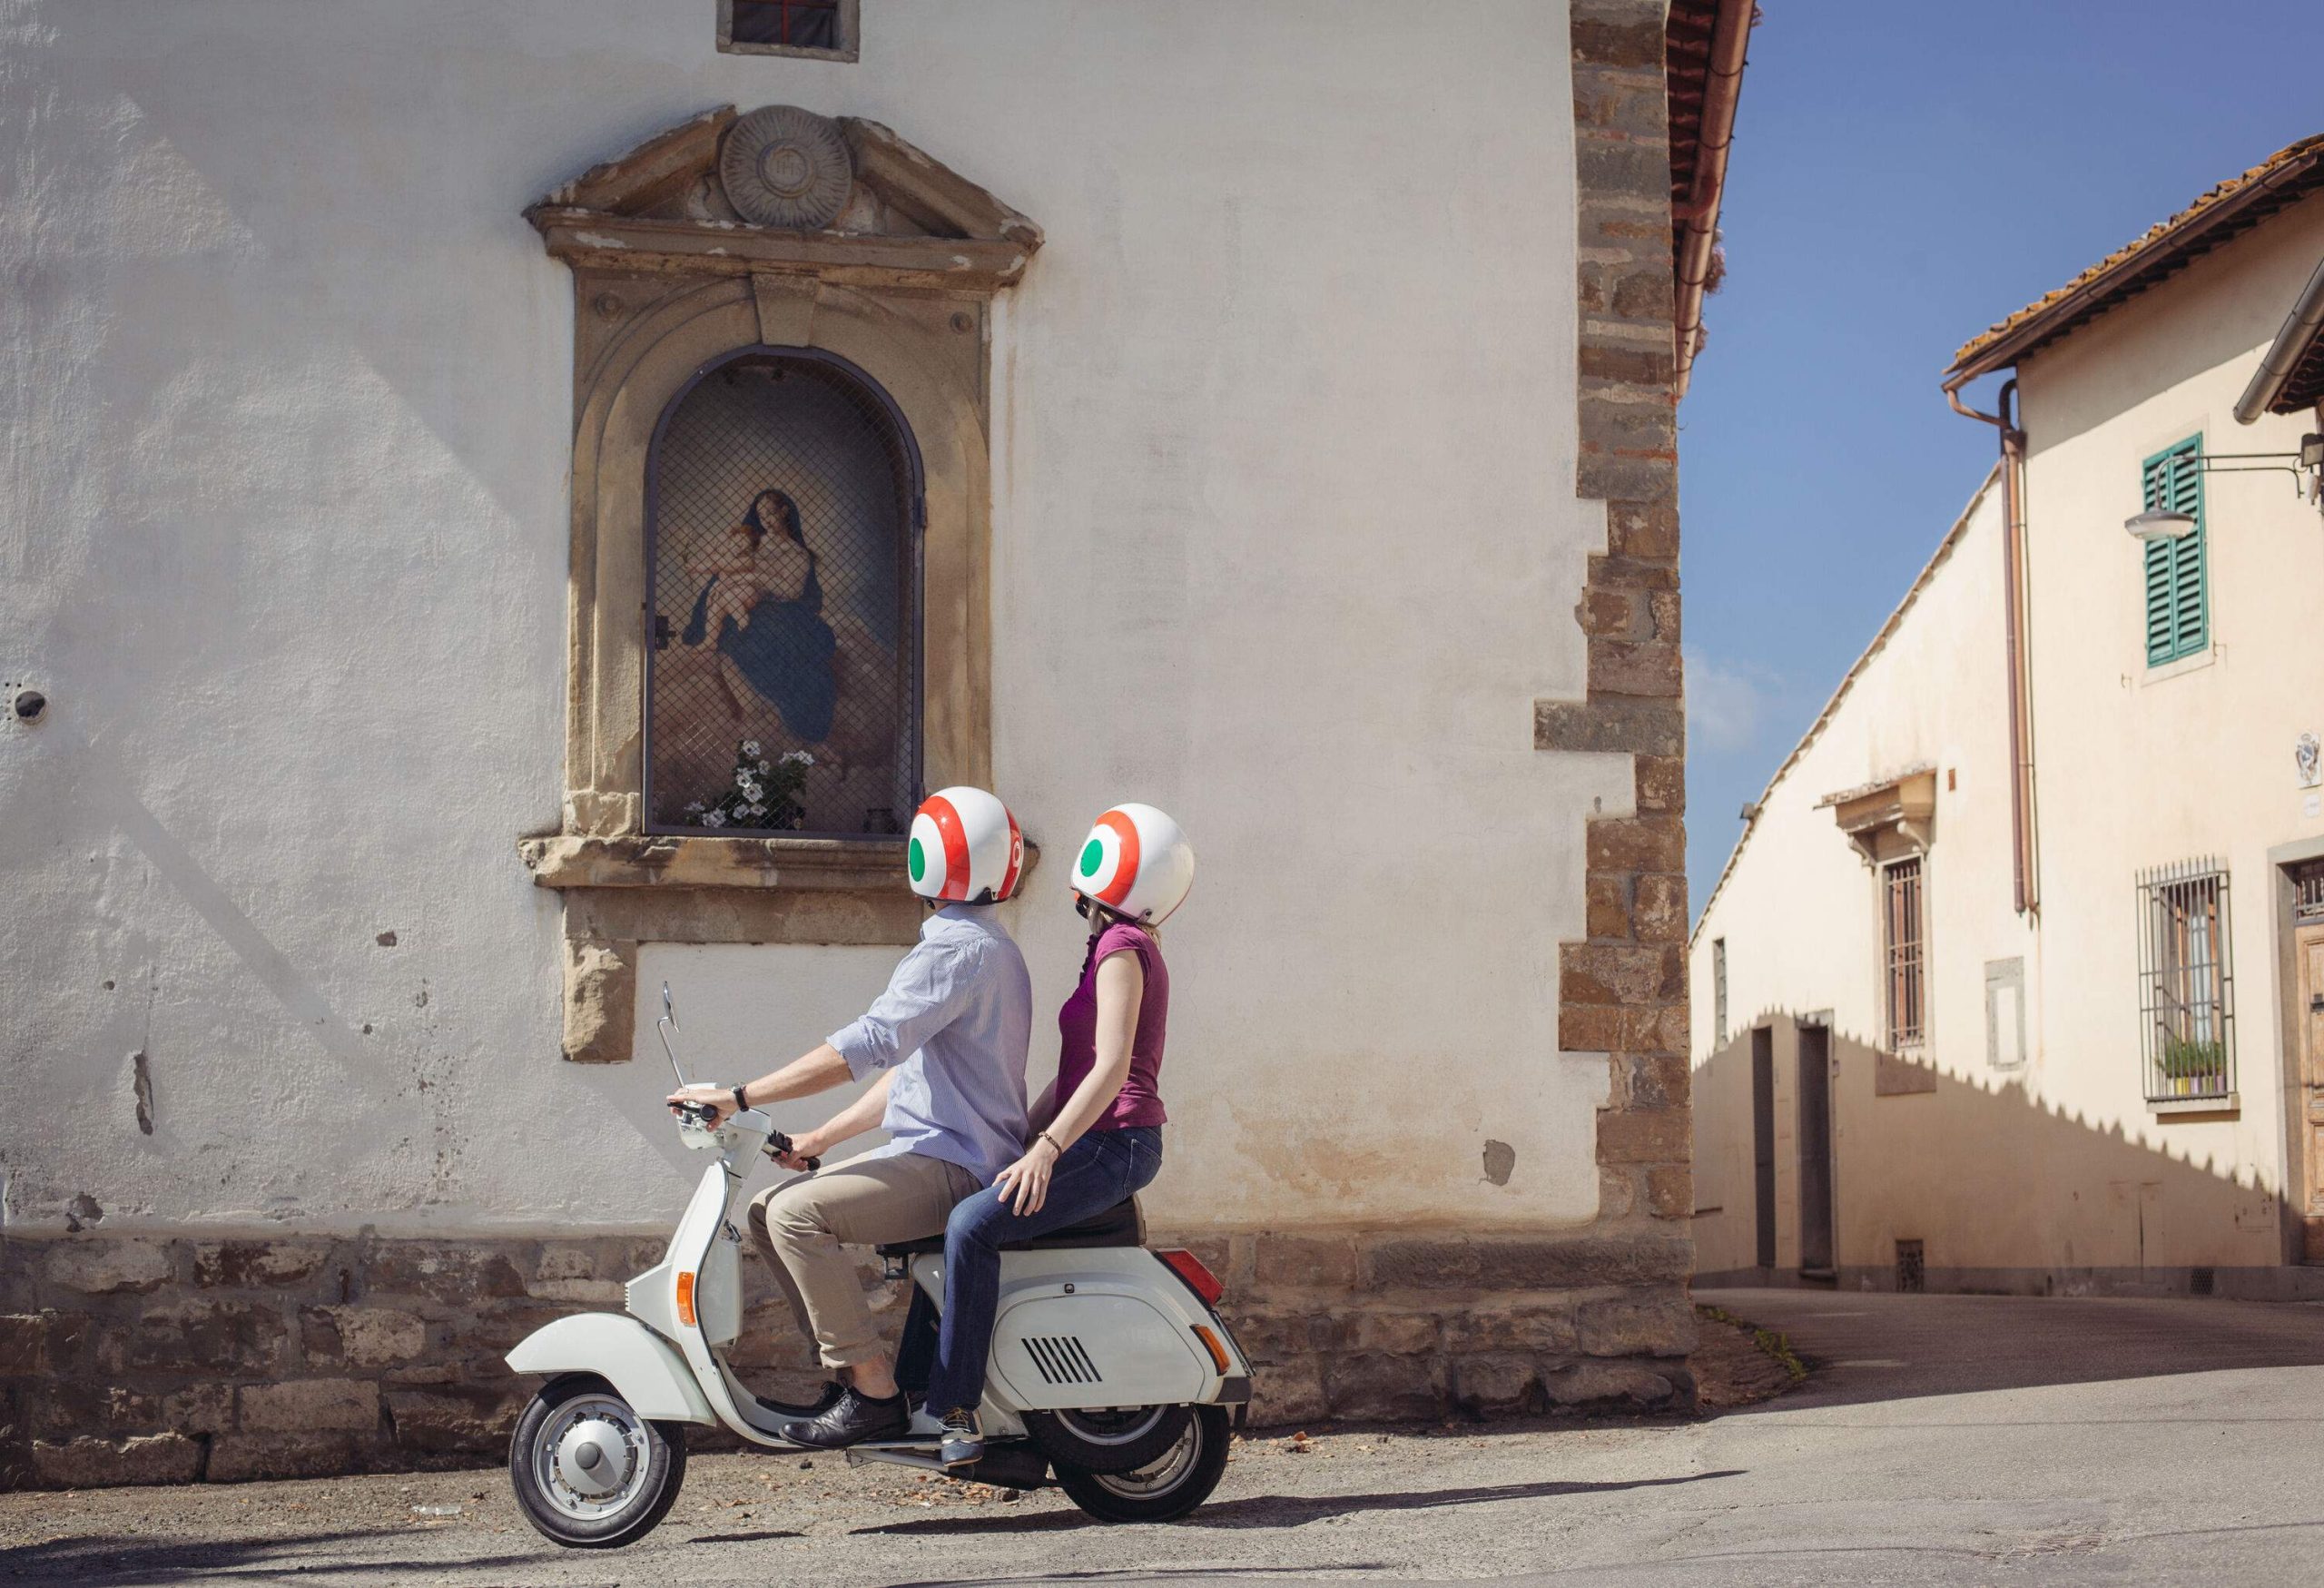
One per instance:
(1174, 1484)
(1120, 1441)
(560, 1502)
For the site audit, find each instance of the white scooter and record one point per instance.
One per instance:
(1109, 1367)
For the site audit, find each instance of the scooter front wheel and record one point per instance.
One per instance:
(1166, 1488)
(590, 1473)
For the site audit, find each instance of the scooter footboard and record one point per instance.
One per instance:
(643, 1368)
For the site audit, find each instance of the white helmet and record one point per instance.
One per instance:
(965, 847)
(1137, 863)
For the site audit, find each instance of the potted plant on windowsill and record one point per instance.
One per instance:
(2194, 1069)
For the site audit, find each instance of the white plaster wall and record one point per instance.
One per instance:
(1285, 542)
(2063, 1163)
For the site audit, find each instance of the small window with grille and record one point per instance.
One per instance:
(2186, 983)
(823, 30)
(782, 690)
(1904, 946)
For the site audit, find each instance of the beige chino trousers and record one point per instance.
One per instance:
(801, 1225)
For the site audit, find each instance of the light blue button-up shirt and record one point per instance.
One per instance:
(954, 1024)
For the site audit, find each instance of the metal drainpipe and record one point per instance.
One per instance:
(2013, 533)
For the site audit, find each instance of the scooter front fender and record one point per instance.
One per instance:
(645, 1369)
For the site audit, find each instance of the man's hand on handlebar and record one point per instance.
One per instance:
(694, 1101)
(805, 1153)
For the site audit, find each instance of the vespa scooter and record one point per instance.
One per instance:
(1111, 1374)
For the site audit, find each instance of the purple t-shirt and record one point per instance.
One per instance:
(1139, 1101)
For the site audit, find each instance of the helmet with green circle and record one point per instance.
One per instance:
(965, 848)
(1137, 863)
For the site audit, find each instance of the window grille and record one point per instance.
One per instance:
(2178, 621)
(2186, 982)
(2308, 893)
(1906, 953)
(825, 29)
(782, 694)
(1718, 986)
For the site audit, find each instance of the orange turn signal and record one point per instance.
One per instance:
(685, 1299)
(1210, 1342)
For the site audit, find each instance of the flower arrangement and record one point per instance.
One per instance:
(765, 792)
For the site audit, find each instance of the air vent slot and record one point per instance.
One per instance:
(1061, 1359)
(1912, 1267)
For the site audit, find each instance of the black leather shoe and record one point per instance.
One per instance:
(851, 1419)
(823, 1402)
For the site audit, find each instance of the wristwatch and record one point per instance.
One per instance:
(742, 1103)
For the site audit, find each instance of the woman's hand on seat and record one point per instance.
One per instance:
(1026, 1182)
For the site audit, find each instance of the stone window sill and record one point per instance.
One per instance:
(2217, 1106)
(676, 861)
(2167, 670)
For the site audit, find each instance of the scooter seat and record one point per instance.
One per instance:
(1120, 1225)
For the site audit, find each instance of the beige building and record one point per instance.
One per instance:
(442, 435)
(2015, 979)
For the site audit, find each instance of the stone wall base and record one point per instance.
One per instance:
(155, 1360)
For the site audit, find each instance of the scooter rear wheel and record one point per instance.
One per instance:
(1173, 1484)
(590, 1473)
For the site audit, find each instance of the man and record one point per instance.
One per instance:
(947, 1040)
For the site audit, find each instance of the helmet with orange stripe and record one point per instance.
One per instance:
(965, 848)
(1137, 863)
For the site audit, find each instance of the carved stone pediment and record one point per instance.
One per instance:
(783, 190)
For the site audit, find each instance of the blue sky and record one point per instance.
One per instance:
(1904, 176)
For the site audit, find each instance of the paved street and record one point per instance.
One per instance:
(1942, 1439)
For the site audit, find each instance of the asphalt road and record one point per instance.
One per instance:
(1943, 1440)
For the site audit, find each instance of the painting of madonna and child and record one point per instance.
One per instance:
(781, 686)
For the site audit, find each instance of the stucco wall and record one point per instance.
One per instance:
(2057, 1173)
(1285, 541)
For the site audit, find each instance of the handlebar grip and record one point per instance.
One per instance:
(777, 1142)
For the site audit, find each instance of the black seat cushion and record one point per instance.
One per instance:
(1119, 1225)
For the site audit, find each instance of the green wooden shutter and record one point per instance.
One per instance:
(2177, 615)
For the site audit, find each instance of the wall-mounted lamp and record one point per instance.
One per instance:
(2160, 524)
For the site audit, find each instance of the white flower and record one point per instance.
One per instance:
(694, 809)
(751, 748)
(797, 758)
(714, 818)
(750, 787)
(763, 768)
(754, 810)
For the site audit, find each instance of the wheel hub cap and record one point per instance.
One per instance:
(593, 1458)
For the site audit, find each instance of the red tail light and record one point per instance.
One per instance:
(1199, 1279)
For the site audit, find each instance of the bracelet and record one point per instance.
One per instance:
(1045, 1135)
(742, 1103)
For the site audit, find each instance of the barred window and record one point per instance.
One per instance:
(822, 29)
(2186, 983)
(782, 694)
(1903, 944)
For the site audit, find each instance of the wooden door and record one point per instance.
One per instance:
(2308, 949)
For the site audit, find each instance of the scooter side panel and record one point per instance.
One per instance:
(1094, 1349)
(643, 1368)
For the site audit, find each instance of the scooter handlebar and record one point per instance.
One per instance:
(777, 1144)
(705, 1116)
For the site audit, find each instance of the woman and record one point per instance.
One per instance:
(1098, 1130)
(764, 609)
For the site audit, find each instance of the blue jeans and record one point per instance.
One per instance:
(1100, 1169)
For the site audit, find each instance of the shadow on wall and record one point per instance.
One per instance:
(1940, 1182)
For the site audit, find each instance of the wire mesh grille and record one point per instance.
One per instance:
(2186, 982)
(1906, 987)
(782, 692)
